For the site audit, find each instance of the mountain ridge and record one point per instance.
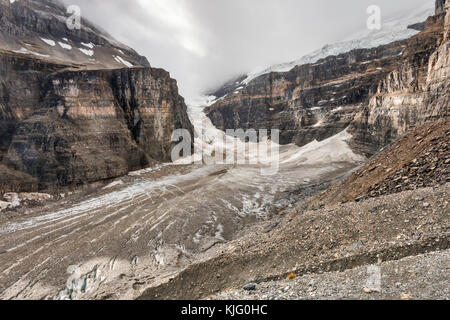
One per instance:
(39, 28)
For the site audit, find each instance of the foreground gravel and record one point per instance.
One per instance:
(419, 277)
(330, 239)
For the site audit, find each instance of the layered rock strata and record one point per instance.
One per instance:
(64, 123)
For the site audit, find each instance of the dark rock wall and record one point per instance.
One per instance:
(21, 79)
(440, 6)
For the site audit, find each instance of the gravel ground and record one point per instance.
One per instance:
(331, 239)
(419, 277)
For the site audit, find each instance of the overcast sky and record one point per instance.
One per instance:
(203, 43)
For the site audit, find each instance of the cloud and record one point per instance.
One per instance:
(203, 43)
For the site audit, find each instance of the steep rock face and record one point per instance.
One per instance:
(63, 124)
(313, 101)
(416, 92)
(21, 80)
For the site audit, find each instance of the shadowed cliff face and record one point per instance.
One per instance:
(63, 123)
(380, 93)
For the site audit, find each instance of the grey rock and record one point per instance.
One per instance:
(357, 245)
(249, 287)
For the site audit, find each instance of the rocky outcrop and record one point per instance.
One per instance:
(64, 124)
(440, 6)
(380, 93)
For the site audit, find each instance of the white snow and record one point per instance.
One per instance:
(90, 45)
(49, 42)
(65, 45)
(219, 232)
(113, 184)
(26, 51)
(122, 61)
(87, 52)
(393, 30)
(334, 149)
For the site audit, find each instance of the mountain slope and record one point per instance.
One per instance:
(416, 92)
(38, 28)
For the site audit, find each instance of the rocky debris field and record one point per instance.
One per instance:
(431, 165)
(419, 277)
(329, 239)
(419, 159)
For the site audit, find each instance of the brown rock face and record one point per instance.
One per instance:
(63, 124)
(380, 93)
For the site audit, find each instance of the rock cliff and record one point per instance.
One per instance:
(64, 123)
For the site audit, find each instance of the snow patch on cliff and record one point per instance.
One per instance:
(49, 42)
(65, 45)
(122, 61)
(89, 53)
(26, 51)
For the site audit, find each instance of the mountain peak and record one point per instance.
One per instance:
(40, 29)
